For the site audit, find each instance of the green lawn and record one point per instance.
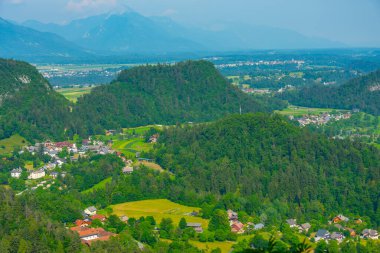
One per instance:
(300, 111)
(158, 208)
(140, 130)
(73, 94)
(8, 145)
(100, 185)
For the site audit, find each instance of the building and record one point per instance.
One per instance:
(128, 170)
(322, 234)
(259, 226)
(337, 236)
(88, 235)
(370, 234)
(304, 227)
(292, 223)
(237, 227)
(90, 210)
(232, 215)
(340, 218)
(196, 226)
(37, 174)
(16, 173)
(54, 174)
(100, 217)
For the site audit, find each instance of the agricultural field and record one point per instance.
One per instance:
(73, 94)
(100, 185)
(158, 208)
(9, 144)
(300, 111)
(129, 147)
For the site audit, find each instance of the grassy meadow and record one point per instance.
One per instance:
(300, 111)
(9, 144)
(73, 94)
(158, 208)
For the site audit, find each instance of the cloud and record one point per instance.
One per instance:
(80, 5)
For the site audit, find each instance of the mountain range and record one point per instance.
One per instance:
(131, 33)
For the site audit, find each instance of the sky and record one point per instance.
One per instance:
(353, 22)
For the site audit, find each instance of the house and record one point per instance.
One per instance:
(232, 215)
(337, 236)
(100, 217)
(358, 221)
(37, 174)
(54, 174)
(124, 218)
(83, 223)
(351, 231)
(88, 235)
(304, 227)
(16, 173)
(128, 170)
(370, 234)
(322, 234)
(338, 226)
(259, 226)
(90, 210)
(196, 226)
(340, 218)
(292, 223)
(153, 138)
(237, 227)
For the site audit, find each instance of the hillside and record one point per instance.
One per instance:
(28, 104)
(27, 44)
(263, 157)
(360, 93)
(165, 94)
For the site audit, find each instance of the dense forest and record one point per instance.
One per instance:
(25, 229)
(360, 93)
(262, 156)
(165, 94)
(162, 94)
(28, 104)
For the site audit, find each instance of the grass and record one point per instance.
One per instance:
(100, 185)
(73, 94)
(158, 208)
(140, 130)
(9, 144)
(300, 111)
(225, 247)
(131, 146)
(153, 166)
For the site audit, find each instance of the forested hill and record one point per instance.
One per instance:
(28, 104)
(259, 156)
(360, 93)
(165, 94)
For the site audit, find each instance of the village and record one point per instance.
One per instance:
(89, 233)
(320, 119)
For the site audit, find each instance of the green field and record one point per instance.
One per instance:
(140, 130)
(300, 111)
(100, 185)
(8, 145)
(131, 146)
(158, 208)
(73, 94)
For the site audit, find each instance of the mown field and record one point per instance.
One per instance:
(8, 145)
(73, 94)
(100, 185)
(300, 111)
(131, 146)
(158, 208)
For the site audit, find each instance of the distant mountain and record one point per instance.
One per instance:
(360, 93)
(126, 33)
(28, 104)
(164, 94)
(28, 44)
(133, 33)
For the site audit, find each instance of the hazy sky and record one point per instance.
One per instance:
(355, 22)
